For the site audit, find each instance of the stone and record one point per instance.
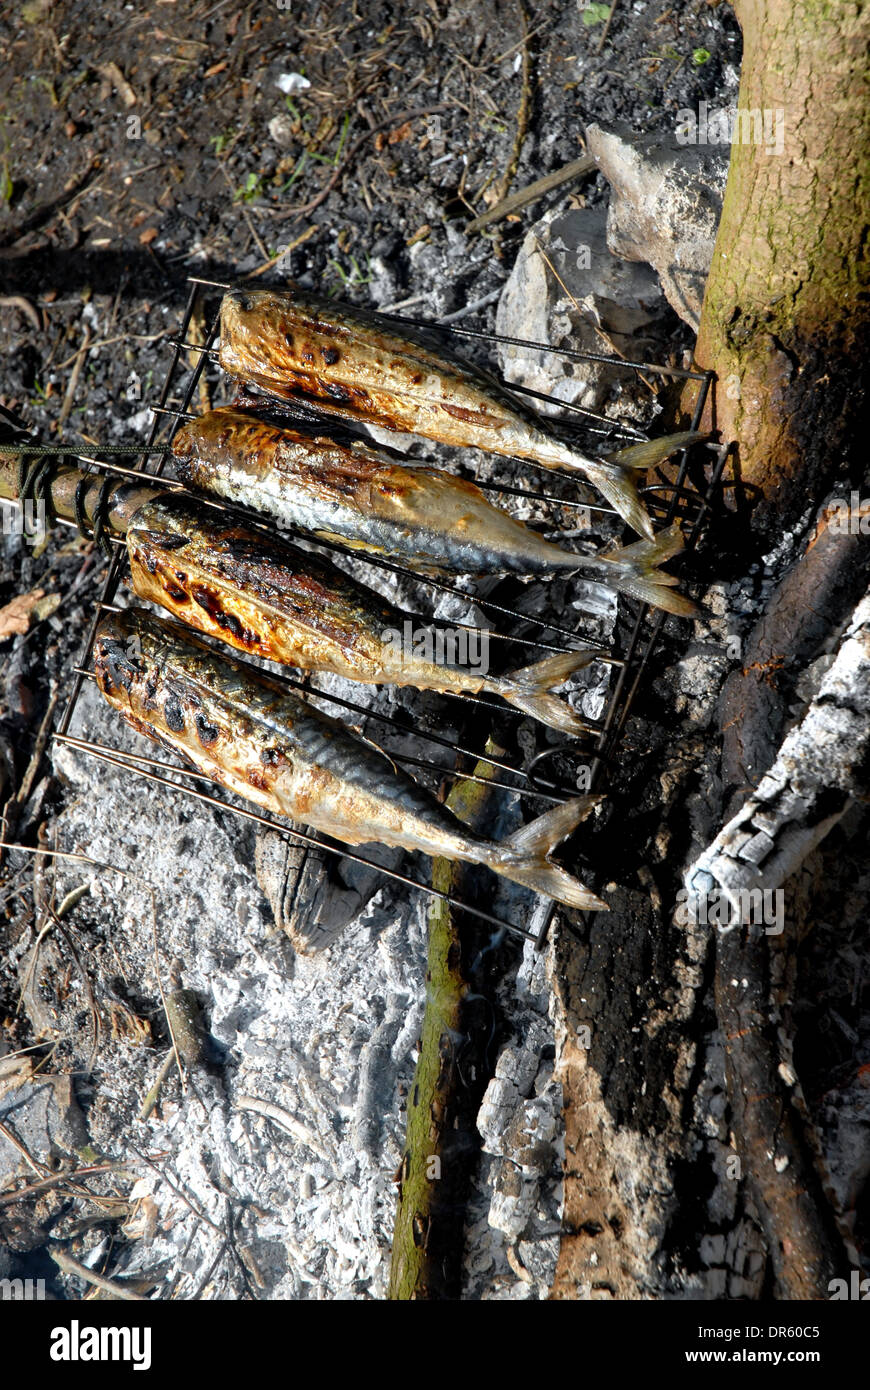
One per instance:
(283, 130)
(585, 299)
(666, 200)
(44, 1116)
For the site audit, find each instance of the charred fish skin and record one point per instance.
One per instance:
(265, 597)
(290, 343)
(359, 497)
(365, 501)
(259, 594)
(354, 365)
(250, 735)
(246, 733)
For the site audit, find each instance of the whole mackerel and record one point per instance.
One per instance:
(259, 594)
(236, 726)
(262, 595)
(427, 518)
(291, 343)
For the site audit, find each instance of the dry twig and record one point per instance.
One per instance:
(532, 192)
(68, 1265)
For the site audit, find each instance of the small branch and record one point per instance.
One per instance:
(74, 377)
(19, 1194)
(38, 1168)
(795, 1215)
(813, 600)
(523, 112)
(433, 1174)
(602, 41)
(150, 1100)
(285, 251)
(336, 177)
(284, 1120)
(533, 191)
(821, 765)
(70, 1266)
(15, 805)
(24, 306)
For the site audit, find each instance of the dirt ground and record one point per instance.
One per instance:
(345, 146)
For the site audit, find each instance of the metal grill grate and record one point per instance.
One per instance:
(678, 498)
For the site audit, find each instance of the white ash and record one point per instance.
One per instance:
(139, 422)
(518, 1125)
(784, 551)
(512, 1234)
(384, 287)
(732, 1252)
(328, 1041)
(296, 1136)
(846, 1117)
(42, 1113)
(291, 82)
(818, 768)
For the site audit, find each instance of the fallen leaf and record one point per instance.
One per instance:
(35, 12)
(400, 133)
(215, 69)
(148, 236)
(15, 616)
(46, 606)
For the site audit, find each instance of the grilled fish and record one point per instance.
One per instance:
(429, 519)
(279, 602)
(241, 729)
(291, 343)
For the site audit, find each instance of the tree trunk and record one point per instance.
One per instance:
(784, 322)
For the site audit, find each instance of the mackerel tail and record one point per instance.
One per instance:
(528, 689)
(615, 475)
(634, 570)
(631, 569)
(524, 857)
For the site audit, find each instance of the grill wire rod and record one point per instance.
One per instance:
(630, 668)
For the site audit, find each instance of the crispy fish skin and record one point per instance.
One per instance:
(243, 731)
(428, 518)
(291, 343)
(356, 495)
(276, 601)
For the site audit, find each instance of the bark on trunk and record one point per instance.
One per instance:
(785, 316)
